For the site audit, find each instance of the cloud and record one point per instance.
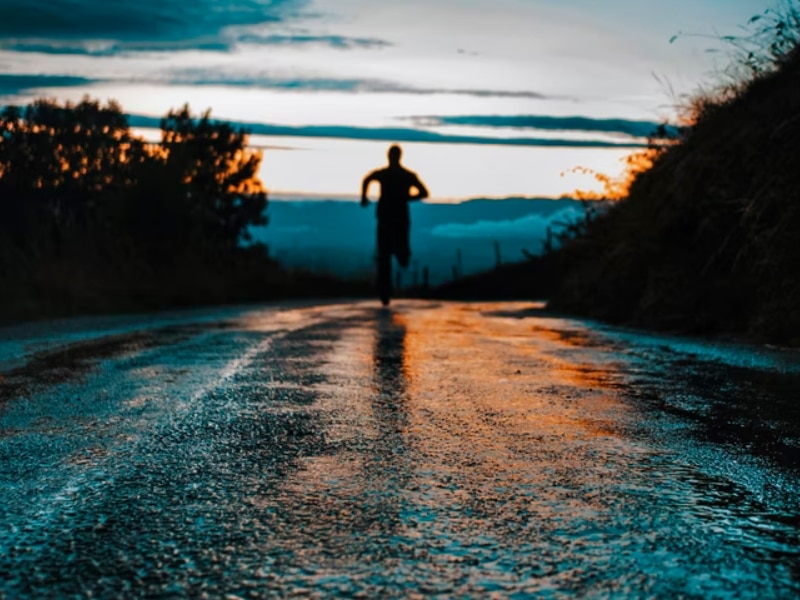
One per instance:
(11, 85)
(333, 41)
(492, 93)
(396, 134)
(530, 226)
(113, 48)
(114, 27)
(224, 42)
(212, 77)
(549, 123)
(315, 84)
(83, 26)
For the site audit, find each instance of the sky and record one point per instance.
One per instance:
(489, 98)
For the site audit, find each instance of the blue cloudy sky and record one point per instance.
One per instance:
(490, 98)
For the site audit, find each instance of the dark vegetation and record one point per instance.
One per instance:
(535, 278)
(706, 237)
(94, 219)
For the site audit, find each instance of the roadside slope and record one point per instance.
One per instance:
(707, 239)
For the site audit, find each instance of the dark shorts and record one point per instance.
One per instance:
(393, 240)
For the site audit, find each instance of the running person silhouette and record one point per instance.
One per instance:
(393, 219)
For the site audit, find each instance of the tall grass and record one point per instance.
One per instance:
(706, 237)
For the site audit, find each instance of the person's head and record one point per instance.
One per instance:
(394, 154)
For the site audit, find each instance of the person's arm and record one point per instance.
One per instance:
(365, 187)
(422, 191)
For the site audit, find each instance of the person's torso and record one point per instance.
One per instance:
(396, 184)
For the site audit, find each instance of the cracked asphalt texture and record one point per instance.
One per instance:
(446, 450)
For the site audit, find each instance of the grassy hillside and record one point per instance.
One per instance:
(708, 239)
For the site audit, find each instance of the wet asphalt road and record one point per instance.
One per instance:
(431, 450)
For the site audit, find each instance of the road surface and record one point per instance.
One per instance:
(429, 450)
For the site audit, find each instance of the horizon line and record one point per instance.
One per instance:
(284, 196)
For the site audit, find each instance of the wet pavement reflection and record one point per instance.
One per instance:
(390, 464)
(427, 450)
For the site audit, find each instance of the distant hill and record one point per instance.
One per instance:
(338, 236)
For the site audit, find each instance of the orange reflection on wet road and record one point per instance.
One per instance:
(427, 450)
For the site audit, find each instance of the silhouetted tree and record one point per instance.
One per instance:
(221, 193)
(78, 188)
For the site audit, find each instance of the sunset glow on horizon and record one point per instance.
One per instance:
(488, 99)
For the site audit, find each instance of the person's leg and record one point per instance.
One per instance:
(385, 278)
(402, 247)
(384, 260)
